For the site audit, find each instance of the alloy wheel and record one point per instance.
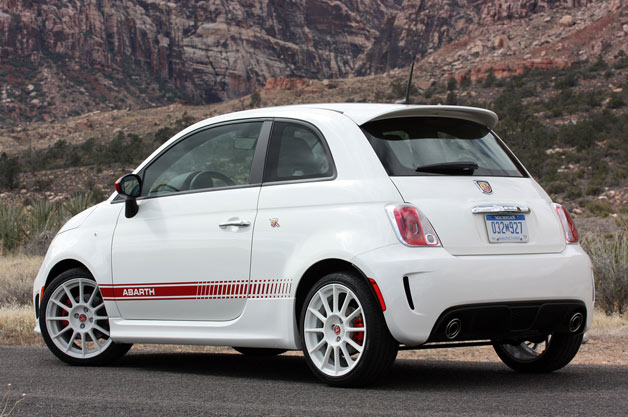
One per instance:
(335, 329)
(76, 319)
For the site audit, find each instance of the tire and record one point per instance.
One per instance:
(74, 322)
(248, 351)
(553, 353)
(345, 339)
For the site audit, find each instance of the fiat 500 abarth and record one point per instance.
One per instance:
(347, 231)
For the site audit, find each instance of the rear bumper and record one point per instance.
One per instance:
(438, 282)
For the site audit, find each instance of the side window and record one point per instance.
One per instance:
(296, 152)
(216, 157)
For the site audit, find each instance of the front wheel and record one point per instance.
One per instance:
(343, 332)
(74, 322)
(539, 356)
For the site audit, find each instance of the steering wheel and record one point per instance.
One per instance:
(205, 179)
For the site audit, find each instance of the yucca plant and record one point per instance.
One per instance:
(12, 233)
(44, 216)
(78, 202)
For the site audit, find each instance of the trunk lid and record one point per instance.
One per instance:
(448, 202)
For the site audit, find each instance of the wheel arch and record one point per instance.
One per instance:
(316, 272)
(62, 266)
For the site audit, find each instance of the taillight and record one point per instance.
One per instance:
(411, 226)
(569, 227)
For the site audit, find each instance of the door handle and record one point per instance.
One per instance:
(236, 223)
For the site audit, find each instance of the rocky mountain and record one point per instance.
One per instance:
(61, 58)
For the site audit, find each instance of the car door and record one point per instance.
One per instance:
(186, 254)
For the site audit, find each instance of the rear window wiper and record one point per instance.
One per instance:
(454, 168)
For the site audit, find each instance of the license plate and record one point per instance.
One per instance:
(503, 228)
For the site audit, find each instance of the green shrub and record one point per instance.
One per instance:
(616, 101)
(256, 100)
(598, 208)
(9, 171)
(452, 84)
(610, 267)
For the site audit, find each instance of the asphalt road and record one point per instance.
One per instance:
(189, 384)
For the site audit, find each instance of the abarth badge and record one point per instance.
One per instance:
(484, 186)
(274, 222)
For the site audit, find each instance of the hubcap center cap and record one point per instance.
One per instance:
(82, 318)
(336, 329)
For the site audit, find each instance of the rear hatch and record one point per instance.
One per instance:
(449, 203)
(478, 197)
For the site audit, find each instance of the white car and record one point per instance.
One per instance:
(347, 231)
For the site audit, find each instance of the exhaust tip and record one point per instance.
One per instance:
(453, 328)
(575, 323)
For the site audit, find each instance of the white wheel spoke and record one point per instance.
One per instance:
(326, 357)
(355, 345)
(98, 307)
(100, 318)
(59, 318)
(345, 304)
(65, 329)
(63, 306)
(81, 293)
(101, 330)
(316, 314)
(325, 304)
(91, 297)
(354, 314)
(93, 337)
(354, 329)
(345, 353)
(70, 342)
(69, 294)
(83, 347)
(334, 299)
(315, 330)
(336, 359)
(318, 346)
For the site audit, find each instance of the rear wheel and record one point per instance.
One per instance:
(343, 332)
(544, 355)
(74, 322)
(248, 351)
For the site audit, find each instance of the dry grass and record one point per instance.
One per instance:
(17, 273)
(16, 326)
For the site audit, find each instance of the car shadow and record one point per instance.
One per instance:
(406, 375)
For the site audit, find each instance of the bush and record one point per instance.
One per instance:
(598, 208)
(616, 101)
(256, 100)
(9, 171)
(610, 267)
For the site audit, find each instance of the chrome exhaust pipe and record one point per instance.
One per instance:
(575, 323)
(453, 328)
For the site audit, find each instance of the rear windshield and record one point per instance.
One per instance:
(439, 146)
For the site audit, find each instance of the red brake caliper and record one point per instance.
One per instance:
(358, 337)
(68, 303)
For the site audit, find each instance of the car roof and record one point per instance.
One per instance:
(362, 113)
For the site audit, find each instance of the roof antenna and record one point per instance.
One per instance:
(407, 99)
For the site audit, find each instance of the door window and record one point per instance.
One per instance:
(296, 152)
(217, 157)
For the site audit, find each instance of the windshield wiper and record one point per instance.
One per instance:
(453, 168)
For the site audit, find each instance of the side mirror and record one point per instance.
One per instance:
(129, 186)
